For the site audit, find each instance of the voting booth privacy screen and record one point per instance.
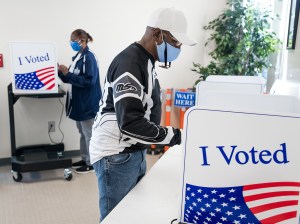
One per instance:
(229, 84)
(34, 67)
(241, 155)
(240, 167)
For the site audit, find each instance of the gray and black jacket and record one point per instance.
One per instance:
(130, 108)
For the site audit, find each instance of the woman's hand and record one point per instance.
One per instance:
(63, 69)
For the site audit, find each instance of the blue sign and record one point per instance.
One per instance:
(184, 99)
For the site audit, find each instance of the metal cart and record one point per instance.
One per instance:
(35, 157)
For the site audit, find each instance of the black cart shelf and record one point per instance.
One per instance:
(35, 157)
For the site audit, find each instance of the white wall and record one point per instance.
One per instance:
(113, 24)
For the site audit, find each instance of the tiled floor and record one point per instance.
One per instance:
(46, 198)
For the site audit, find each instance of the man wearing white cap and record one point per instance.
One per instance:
(128, 120)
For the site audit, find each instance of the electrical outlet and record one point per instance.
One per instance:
(51, 126)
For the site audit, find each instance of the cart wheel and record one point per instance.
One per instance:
(69, 177)
(68, 174)
(17, 176)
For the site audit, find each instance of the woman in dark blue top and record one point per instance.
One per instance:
(84, 93)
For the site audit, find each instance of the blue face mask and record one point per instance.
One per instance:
(75, 45)
(172, 52)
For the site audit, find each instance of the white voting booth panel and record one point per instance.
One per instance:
(236, 79)
(240, 167)
(34, 67)
(251, 102)
(241, 157)
(228, 83)
(282, 87)
(245, 92)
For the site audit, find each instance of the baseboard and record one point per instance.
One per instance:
(67, 154)
(4, 161)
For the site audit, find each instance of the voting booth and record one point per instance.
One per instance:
(34, 67)
(34, 75)
(283, 87)
(241, 156)
(233, 84)
(238, 163)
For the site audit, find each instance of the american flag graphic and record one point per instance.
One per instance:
(266, 203)
(40, 79)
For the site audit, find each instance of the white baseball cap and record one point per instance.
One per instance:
(174, 21)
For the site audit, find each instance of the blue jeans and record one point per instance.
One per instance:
(117, 175)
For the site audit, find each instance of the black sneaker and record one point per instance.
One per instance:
(85, 169)
(78, 164)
